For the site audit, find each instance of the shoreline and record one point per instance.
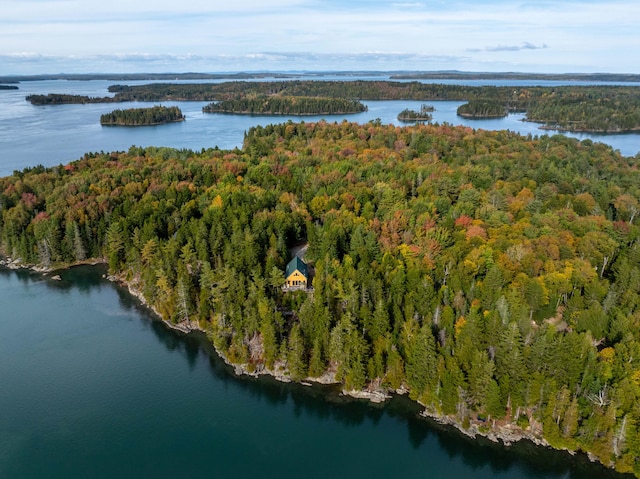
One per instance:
(505, 435)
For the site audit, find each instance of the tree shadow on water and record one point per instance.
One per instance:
(530, 459)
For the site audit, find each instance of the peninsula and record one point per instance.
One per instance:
(479, 109)
(483, 273)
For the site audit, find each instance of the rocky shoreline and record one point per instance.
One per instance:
(504, 434)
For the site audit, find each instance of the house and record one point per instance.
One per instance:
(296, 274)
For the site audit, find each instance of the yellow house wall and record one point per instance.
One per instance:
(296, 276)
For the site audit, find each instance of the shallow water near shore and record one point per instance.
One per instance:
(94, 386)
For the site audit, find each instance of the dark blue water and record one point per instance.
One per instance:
(52, 135)
(92, 386)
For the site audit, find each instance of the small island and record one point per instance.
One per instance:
(65, 99)
(285, 105)
(482, 109)
(8, 87)
(408, 115)
(156, 115)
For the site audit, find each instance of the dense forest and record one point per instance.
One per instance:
(155, 115)
(482, 109)
(285, 105)
(493, 276)
(603, 109)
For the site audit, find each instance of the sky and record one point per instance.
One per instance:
(128, 36)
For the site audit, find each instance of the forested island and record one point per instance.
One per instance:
(408, 115)
(285, 105)
(156, 115)
(66, 99)
(8, 87)
(479, 109)
(598, 109)
(493, 277)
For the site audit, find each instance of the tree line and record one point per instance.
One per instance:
(496, 277)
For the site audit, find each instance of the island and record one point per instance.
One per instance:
(156, 115)
(8, 87)
(66, 99)
(285, 105)
(482, 109)
(583, 108)
(493, 278)
(409, 116)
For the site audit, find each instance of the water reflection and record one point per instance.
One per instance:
(324, 402)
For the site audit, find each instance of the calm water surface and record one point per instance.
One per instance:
(92, 386)
(52, 135)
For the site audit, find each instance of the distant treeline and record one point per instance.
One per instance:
(586, 77)
(156, 115)
(8, 87)
(438, 75)
(576, 108)
(286, 105)
(141, 76)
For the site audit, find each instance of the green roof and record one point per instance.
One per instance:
(296, 264)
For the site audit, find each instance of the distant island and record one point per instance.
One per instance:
(479, 109)
(588, 108)
(286, 105)
(156, 115)
(395, 75)
(408, 115)
(66, 99)
(8, 87)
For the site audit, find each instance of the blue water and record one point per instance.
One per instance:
(52, 135)
(92, 386)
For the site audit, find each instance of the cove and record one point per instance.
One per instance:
(92, 385)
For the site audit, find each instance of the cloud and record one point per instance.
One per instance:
(509, 48)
